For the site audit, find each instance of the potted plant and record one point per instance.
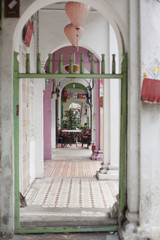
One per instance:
(71, 115)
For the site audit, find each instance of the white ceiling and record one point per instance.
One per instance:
(58, 6)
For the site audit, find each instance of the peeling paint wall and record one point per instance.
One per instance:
(150, 117)
(6, 125)
(6, 131)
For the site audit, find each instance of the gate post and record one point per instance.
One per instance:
(123, 141)
(16, 138)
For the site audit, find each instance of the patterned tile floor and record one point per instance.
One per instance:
(67, 168)
(71, 163)
(70, 188)
(72, 193)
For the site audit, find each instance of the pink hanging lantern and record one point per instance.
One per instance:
(73, 34)
(77, 12)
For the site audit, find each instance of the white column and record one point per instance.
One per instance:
(133, 115)
(106, 126)
(133, 162)
(89, 115)
(111, 111)
(39, 144)
(103, 172)
(114, 131)
(115, 106)
(59, 109)
(53, 123)
(101, 128)
(97, 154)
(20, 139)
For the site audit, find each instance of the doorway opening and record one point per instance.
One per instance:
(80, 183)
(68, 197)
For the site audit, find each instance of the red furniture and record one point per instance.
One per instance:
(86, 137)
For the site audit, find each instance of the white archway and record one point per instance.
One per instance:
(64, 83)
(104, 8)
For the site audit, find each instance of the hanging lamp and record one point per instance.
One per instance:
(73, 34)
(77, 12)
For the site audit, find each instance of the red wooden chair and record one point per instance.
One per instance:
(66, 137)
(86, 137)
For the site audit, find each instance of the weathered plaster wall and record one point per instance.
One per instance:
(27, 108)
(6, 127)
(150, 120)
(121, 7)
(133, 111)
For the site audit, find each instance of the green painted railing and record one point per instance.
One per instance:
(71, 74)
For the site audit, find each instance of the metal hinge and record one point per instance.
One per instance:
(17, 110)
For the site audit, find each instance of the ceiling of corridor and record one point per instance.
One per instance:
(59, 6)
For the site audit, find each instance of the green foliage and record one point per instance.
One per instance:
(71, 115)
(83, 127)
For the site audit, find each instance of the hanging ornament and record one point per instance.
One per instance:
(75, 68)
(73, 34)
(77, 12)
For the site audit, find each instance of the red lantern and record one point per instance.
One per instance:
(77, 12)
(73, 34)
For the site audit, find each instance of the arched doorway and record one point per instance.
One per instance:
(53, 94)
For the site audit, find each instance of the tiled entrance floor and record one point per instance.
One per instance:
(68, 168)
(72, 193)
(71, 163)
(69, 191)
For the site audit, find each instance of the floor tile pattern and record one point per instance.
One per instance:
(61, 168)
(70, 189)
(72, 193)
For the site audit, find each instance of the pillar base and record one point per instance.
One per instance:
(110, 175)
(112, 167)
(97, 155)
(134, 232)
(131, 230)
(112, 237)
(132, 216)
(105, 173)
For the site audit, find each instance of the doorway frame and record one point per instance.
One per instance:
(123, 144)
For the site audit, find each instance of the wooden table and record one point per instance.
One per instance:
(76, 131)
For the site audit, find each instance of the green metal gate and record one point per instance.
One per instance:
(123, 135)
